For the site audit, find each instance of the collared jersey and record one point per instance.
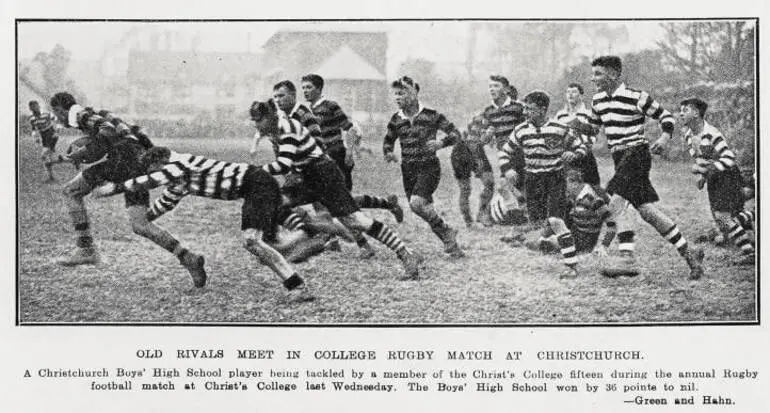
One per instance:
(504, 119)
(542, 147)
(416, 131)
(710, 145)
(623, 115)
(294, 148)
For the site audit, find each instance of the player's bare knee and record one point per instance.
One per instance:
(417, 204)
(723, 220)
(557, 225)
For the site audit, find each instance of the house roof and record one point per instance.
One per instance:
(349, 65)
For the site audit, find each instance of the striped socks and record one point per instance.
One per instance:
(385, 235)
(82, 226)
(567, 247)
(740, 238)
(676, 239)
(372, 202)
(626, 241)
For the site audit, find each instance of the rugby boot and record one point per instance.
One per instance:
(298, 289)
(694, 260)
(569, 273)
(747, 259)
(411, 263)
(451, 246)
(194, 264)
(366, 251)
(395, 208)
(79, 256)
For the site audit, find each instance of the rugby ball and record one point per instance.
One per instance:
(505, 209)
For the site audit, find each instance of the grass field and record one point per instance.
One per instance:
(139, 282)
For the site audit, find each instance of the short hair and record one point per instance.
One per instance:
(500, 79)
(539, 98)
(610, 62)
(33, 102)
(316, 80)
(63, 99)
(698, 104)
(512, 92)
(287, 84)
(259, 110)
(577, 86)
(405, 82)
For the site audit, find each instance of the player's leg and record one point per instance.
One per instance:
(483, 171)
(136, 205)
(461, 160)
(327, 183)
(377, 202)
(261, 199)
(566, 244)
(556, 187)
(74, 191)
(425, 178)
(727, 204)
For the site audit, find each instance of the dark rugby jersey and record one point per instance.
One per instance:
(504, 119)
(294, 148)
(332, 121)
(623, 116)
(542, 147)
(709, 145)
(191, 174)
(43, 124)
(589, 210)
(415, 132)
(306, 118)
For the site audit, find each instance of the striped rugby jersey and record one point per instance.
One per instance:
(589, 210)
(504, 119)
(416, 131)
(294, 148)
(332, 120)
(305, 116)
(43, 123)
(623, 116)
(710, 145)
(542, 147)
(582, 114)
(191, 175)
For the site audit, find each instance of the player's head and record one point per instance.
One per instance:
(265, 117)
(605, 72)
(61, 104)
(34, 106)
(312, 86)
(498, 87)
(285, 95)
(512, 92)
(574, 93)
(691, 109)
(405, 91)
(536, 106)
(155, 158)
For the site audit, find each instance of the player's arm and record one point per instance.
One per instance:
(255, 142)
(508, 162)
(310, 122)
(725, 156)
(167, 201)
(576, 149)
(587, 124)
(650, 107)
(170, 174)
(389, 143)
(287, 152)
(451, 134)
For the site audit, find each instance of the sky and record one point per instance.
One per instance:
(440, 41)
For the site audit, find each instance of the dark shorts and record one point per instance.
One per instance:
(632, 176)
(469, 158)
(261, 200)
(588, 168)
(725, 191)
(546, 195)
(323, 182)
(122, 164)
(421, 178)
(49, 139)
(338, 152)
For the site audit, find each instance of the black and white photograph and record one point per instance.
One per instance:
(387, 172)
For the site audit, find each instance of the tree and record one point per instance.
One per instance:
(710, 51)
